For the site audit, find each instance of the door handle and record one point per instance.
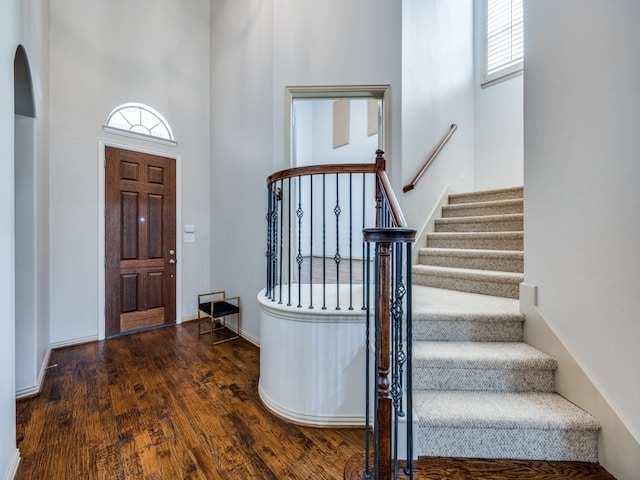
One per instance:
(171, 252)
(172, 261)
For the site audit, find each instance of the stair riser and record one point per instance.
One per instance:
(508, 290)
(494, 226)
(511, 380)
(467, 331)
(475, 243)
(479, 263)
(470, 210)
(508, 194)
(552, 445)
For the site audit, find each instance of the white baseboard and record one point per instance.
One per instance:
(12, 469)
(429, 224)
(75, 341)
(299, 418)
(251, 338)
(37, 388)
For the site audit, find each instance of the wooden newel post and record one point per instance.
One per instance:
(380, 166)
(383, 348)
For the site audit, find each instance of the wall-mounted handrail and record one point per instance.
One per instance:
(411, 185)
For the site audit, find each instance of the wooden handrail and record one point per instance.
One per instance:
(387, 190)
(378, 168)
(411, 185)
(318, 169)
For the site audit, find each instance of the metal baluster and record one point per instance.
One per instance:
(376, 423)
(289, 265)
(337, 210)
(398, 348)
(311, 242)
(281, 237)
(365, 265)
(324, 246)
(409, 319)
(350, 241)
(268, 252)
(299, 213)
(367, 408)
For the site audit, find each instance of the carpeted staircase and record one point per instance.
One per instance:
(479, 390)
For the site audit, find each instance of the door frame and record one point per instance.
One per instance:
(102, 144)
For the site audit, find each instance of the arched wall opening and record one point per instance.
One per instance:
(25, 227)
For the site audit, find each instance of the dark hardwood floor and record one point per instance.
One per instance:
(164, 404)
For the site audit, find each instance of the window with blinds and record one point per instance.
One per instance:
(503, 40)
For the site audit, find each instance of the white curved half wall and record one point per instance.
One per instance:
(312, 363)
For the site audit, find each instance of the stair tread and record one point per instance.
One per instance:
(481, 218)
(514, 234)
(500, 410)
(471, 252)
(486, 203)
(515, 191)
(430, 303)
(480, 355)
(470, 274)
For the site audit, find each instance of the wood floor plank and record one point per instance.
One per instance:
(163, 405)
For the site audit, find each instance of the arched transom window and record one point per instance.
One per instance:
(139, 119)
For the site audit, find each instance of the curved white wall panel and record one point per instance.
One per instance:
(312, 363)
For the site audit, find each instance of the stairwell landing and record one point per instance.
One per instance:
(479, 390)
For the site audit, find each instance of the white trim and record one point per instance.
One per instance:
(250, 338)
(12, 468)
(429, 224)
(74, 341)
(142, 136)
(310, 420)
(502, 74)
(102, 144)
(37, 388)
(316, 315)
(382, 92)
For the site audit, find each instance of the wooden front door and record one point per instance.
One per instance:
(140, 243)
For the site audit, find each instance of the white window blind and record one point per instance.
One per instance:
(504, 39)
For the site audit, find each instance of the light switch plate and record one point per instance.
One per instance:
(189, 238)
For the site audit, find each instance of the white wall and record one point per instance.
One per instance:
(275, 45)
(9, 21)
(154, 52)
(582, 178)
(437, 91)
(498, 124)
(361, 147)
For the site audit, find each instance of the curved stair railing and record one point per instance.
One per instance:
(339, 231)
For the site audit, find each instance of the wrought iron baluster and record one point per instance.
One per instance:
(267, 254)
(350, 241)
(365, 302)
(376, 401)
(279, 198)
(311, 242)
(367, 291)
(408, 470)
(299, 214)
(324, 246)
(336, 258)
(289, 247)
